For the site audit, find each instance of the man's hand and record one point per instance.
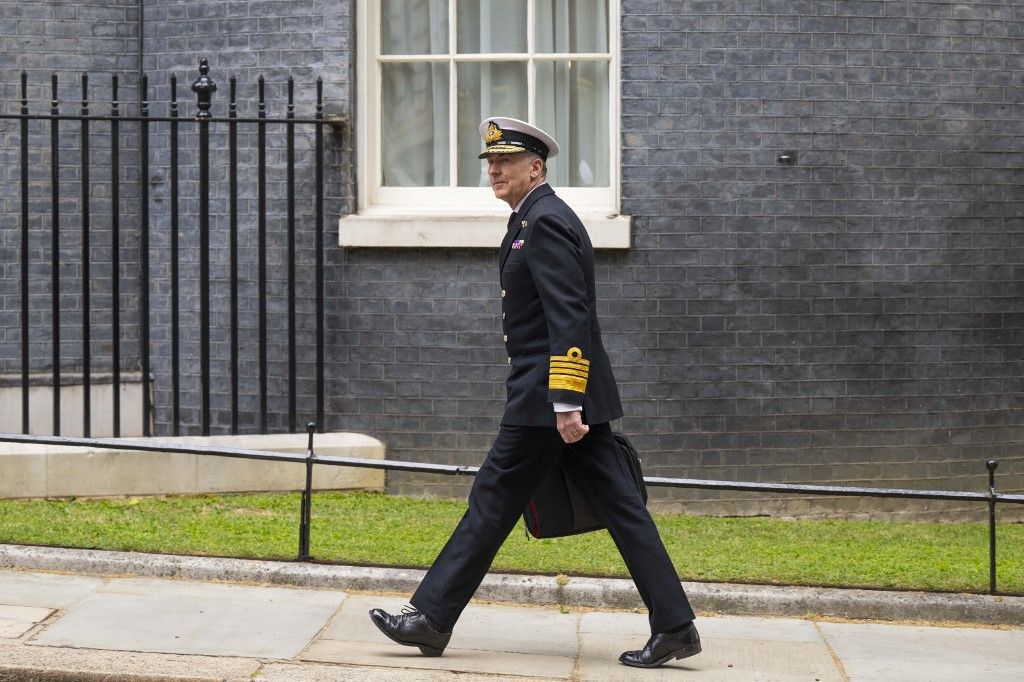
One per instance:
(570, 426)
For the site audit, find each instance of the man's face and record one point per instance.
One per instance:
(512, 175)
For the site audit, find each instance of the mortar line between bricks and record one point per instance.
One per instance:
(831, 652)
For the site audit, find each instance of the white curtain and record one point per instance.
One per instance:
(488, 88)
(571, 95)
(414, 95)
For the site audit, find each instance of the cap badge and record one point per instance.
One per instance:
(493, 133)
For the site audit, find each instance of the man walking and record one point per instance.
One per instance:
(561, 396)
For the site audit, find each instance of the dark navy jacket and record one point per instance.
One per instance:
(549, 316)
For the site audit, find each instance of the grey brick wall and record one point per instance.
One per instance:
(852, 318)
(68, 39)
(855, 317)
(302, 40)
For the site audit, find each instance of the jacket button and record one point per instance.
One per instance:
(505, 338)
(510, 361)
(503, 316)
(503, 293)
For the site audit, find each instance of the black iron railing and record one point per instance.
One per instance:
(115, 121)
(990, 497)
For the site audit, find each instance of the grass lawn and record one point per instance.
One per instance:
(372, 528)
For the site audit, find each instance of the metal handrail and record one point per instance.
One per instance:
(991, 497)
(836, 490)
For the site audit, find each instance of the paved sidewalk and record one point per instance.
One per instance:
(57, 626)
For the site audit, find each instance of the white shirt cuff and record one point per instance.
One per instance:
(566, 407)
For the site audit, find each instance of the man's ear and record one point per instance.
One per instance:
(536, 167)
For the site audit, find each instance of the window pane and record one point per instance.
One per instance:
(486, 89)
(414, 27)
(572, 26)
(572, 106)
(489, 26)
(414, 124)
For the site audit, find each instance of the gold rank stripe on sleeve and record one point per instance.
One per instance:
(568, 383)
(569, 371)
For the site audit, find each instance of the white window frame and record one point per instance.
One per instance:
(464, 216)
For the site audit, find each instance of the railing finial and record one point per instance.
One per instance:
(204, 87)
(310, 429)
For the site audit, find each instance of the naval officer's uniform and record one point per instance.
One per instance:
(555, 353)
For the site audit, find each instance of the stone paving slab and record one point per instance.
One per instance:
(764, 648)
(871, 651)
(471, 661)
(315, 672)
(15, 621)
(733, 649)
(144, 630)
(65, 664)
(55, 591)
(182, 617)
(492, 640)
(543, 631)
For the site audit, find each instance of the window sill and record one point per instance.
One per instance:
(469, 231)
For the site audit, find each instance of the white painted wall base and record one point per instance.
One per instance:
(40, 396)
(51, 471)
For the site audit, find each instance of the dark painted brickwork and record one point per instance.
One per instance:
(422, 363)
(301, 39)
(67, 39)
(43, 36)
(854, 318)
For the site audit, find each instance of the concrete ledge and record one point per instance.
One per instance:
(52, 471)
(760, 600)
(388, 230)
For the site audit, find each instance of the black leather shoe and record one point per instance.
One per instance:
(411, 629)
(661, 648)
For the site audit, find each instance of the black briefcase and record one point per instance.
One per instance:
(558, 506)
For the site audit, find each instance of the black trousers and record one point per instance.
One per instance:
(517, 462)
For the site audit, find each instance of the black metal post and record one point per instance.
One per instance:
(992, 465)
(24, 255)
(290, 160)
(307, 499)
(144, 251)
(55, 251)
(175, 317)
(261, 200)
(319, 232)
(204, 89)
(115, 263)
(233, 246)
(86, 331)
